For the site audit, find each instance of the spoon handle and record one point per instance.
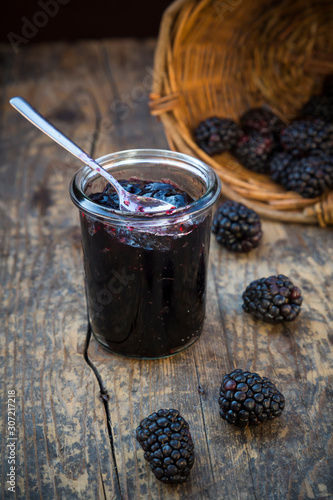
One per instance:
(31, 114)
(44, 125)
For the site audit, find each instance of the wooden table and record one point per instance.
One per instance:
(71, 442)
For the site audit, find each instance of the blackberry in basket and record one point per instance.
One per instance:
(237, 227)
(262, 120)
(215, 135)
(310, 176)
(166, 440)
(274, 300)
(279, 166)
(254, 151)
(303, 136)
(248, 399)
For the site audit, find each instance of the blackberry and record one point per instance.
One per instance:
(161, 190)
(279, 166)
(254, 150)
(303, 136)
(248, 399)
(262, 120)
(319, 106)
(215, 135)
(237, 227)
(310, 176)
(166, 440)
(274, 299)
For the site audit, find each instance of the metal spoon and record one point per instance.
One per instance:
(127, 201)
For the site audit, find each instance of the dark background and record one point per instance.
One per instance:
(81, 19)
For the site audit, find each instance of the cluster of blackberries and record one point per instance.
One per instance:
(252, 142)
(299, 156)
(305, 164)
(245, 399)
(160, 190)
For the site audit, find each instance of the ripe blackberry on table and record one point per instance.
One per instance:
(303, 136)
(274, 300)
(237, 227)
(254, 151)
(216, 135)
(166, 440)
(310, 176)
(319, 106)
(262, 120)
(248, 399)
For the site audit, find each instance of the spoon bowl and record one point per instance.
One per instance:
(127, 201)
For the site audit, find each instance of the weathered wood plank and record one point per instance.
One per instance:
(62, 448)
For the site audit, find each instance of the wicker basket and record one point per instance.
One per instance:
(222, 57)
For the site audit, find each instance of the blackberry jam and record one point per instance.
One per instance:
(146, 274)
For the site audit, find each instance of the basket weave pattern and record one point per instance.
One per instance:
(222, 57)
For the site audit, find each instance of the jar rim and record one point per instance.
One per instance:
(130, 157)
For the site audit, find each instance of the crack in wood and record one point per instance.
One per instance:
(105, 400)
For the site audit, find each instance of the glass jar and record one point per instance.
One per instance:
(146, 274)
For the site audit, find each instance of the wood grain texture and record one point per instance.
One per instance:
(97, 93)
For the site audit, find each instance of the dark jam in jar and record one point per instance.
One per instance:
(146, 286)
